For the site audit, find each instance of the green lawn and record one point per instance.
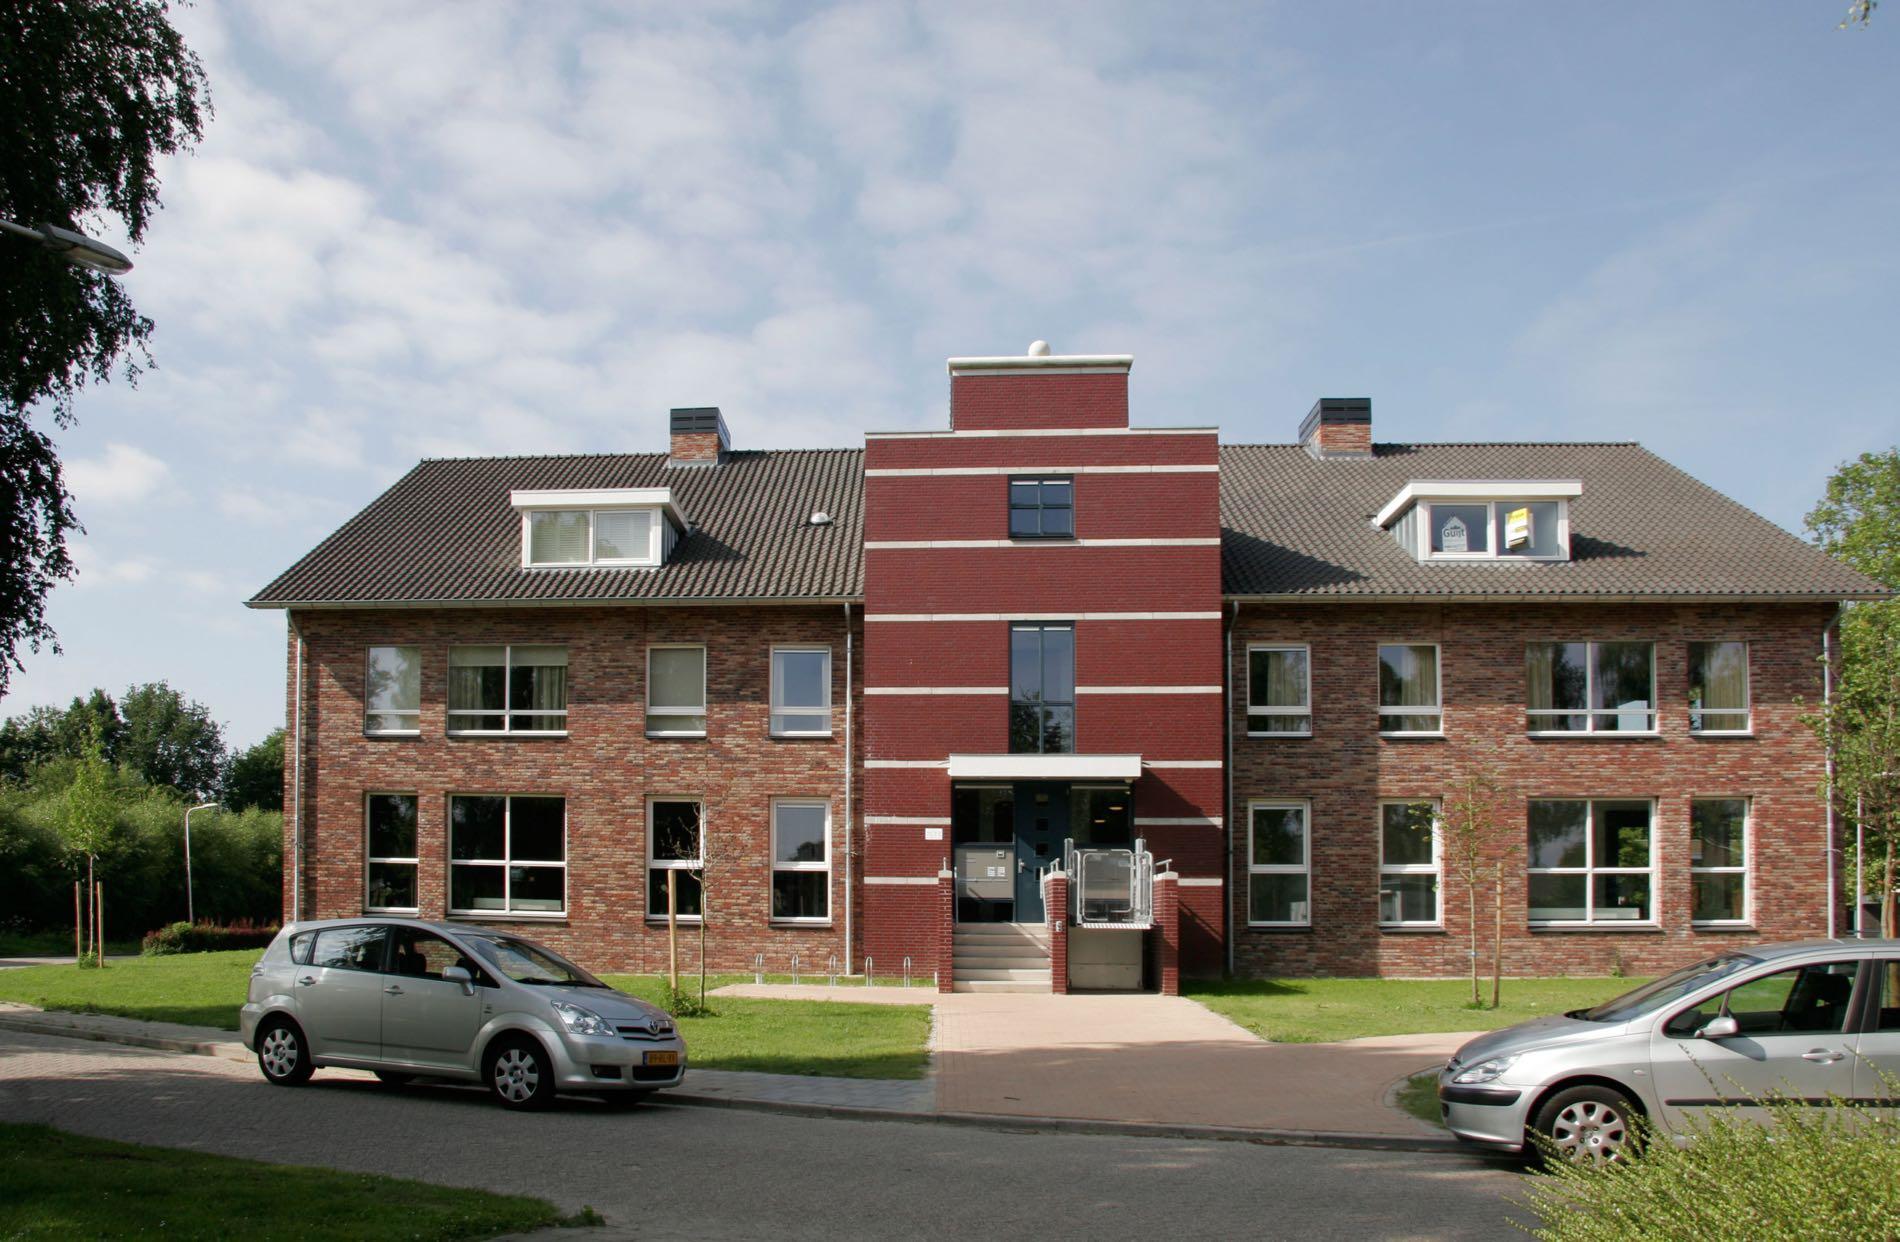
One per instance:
(52, 944)
(1419, 1097)
(772, 1036)
(1311, 1011)
(55, 1185)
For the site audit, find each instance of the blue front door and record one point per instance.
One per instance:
(1042, 824)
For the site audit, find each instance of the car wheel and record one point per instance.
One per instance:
(391, 1078)
(1588, 1125)
(282, 1054)
(520, 1074)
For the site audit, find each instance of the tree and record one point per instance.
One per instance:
(170, 740)
(93, 94)
(88, 820)
(1473, 837)
(1858, 520)
(1860, 13)
(255, 777)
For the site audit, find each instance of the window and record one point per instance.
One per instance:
(349, 948)
(1591, 688)
(507, 855)
(1408, 864)
(674, 828)
(1484, 530)
(390, 859)
(420, 955)
(1591, 863)
(1041, 689)
(676, 691)
(1718, 859)
(1805, 1000)
(1718, 688)
(1277, 881)
(1886, 1011)
(507, 689)
(1278, 691)
(1041, 508)
(801, 691)
(392, 691)
(801, 861)
(1408, 689)
(592, 537)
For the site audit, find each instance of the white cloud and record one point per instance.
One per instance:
(123, 475)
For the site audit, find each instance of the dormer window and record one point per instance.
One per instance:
(1482, 520)
(635, 526)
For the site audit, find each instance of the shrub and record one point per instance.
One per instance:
(1820, 1171)
(204, 937)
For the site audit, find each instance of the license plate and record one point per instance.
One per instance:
(663, 1058)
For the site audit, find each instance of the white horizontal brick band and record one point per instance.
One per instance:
(1200, 882)
(919, 472)
(901, 879)
(1043, 616)
(926, 821)
(1147, 689)
(1014, 432)
(904, 763)
(1185, 821)
(1184, 763)
(912, 545)
(936, 689)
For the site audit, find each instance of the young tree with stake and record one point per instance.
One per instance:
(1473, 840)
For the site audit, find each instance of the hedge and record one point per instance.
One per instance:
(204, 937)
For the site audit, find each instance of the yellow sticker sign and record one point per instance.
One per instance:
(1517, 527)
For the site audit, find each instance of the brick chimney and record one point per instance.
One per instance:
(1338, 427)
(699, 437)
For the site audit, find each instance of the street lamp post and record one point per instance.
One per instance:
(191, 913)
(75, 248)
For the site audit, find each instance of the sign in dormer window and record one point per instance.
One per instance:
(1492, 520)
(626, 526)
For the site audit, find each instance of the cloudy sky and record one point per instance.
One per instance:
(431, 229)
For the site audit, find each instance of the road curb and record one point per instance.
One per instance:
(231, 1050)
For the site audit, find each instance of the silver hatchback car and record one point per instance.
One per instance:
(409, 999)
(1818, 1020)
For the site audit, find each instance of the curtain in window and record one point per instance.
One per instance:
(1408, 677)
(558, 538)
(1718, 685)
(476, 685)
(539, 684)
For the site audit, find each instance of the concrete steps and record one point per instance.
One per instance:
(1001, 957)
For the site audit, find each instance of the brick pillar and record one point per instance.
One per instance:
(946, 930)
(1055, 903)
(1167, 933)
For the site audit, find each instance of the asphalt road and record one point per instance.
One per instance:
(669, 1172)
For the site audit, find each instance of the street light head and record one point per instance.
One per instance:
(83, 251)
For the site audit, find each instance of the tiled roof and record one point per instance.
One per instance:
(1292, 524)
(446, 533)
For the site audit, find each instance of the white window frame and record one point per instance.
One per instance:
(508, 711)
(369, 858)
(508, 861)
(1306, 711)
(1435, 868)
(1590, 714)
(1305, 866)
(1747, 709)
(778, 707)
(413, 714)
(777, 865)
(656, 546)
(652, 710)
(1438, 692)
(1491, 505)
(1746, 870)
(1590, 871)
(676, 864)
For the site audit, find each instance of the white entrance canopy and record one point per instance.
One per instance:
(1045, 767)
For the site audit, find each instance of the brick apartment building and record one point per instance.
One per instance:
(1048, 699)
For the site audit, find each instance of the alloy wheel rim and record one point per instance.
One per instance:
(516, 1075)
(1592, 1131)
(280, 1053)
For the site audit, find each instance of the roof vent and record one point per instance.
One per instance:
(1038, 349)
(820, 518)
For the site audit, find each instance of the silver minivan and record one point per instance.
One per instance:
(1817, 1020)
(410, 999)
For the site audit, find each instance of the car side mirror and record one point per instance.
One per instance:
(1723, 1027)
(459, 974)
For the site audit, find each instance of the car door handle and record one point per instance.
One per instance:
(307, 980)
(1822, 1055)
(392, 990)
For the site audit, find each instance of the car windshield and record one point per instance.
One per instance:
(1667, 990)
(529, 963)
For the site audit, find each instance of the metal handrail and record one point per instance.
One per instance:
(1135, 910)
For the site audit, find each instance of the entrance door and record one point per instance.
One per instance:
(1042, 824)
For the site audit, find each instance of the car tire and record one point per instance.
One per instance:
(1587, 1124)
(283, 1054)
(390, 1078)
(519, 1074)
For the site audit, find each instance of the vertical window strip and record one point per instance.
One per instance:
(676, 690)
(1279, 690)
(1719, 699)
(1042, 689)
(676, 842)
(801, 860)
(1279, 857)
(1720, 839)
(801, 692)
(1409, 876)
(390, 854)
(1410, 689)
(392, 691)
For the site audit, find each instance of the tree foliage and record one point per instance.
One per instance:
(1858, 521)
(1474, 838)
(93, 93)
(255, 777)
(153, 730)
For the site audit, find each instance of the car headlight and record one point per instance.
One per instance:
(1485, 1071)
(582, 1021)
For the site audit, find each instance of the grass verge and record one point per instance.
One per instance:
(198, 989)
(55, 1185)
(1419, 1097)
(1311, 1011)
